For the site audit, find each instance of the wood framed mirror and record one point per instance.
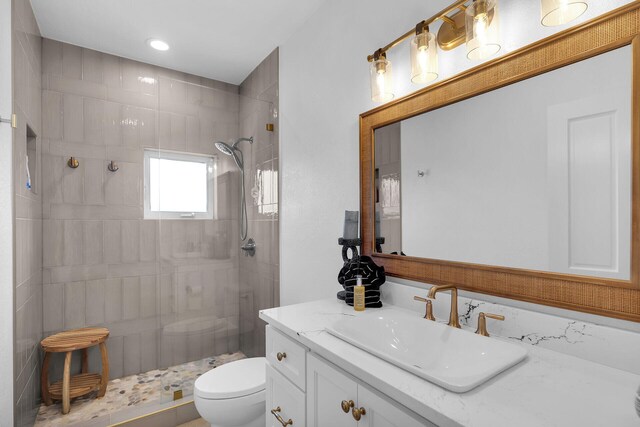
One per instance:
(588, 262)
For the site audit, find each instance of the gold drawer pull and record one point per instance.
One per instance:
(281, 356)
(358, 413)
(347, 405)
(276, 414)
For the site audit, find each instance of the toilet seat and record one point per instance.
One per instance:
(242, 378)
(234, 394)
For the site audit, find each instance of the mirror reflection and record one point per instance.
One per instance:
(535, 175)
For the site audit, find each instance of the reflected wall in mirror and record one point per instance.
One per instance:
(535, 175)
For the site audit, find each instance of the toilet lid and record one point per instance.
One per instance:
(233, 379)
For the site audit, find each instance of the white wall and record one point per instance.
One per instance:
(6, 219)
(324, 87)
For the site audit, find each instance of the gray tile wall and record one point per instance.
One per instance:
(168, 290)
(28, 214)
(259, 275)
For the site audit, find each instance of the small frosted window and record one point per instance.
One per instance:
(390, 195)
(178, 185)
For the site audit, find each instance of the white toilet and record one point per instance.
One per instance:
(233, 394)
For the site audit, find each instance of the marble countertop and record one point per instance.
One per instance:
(547, 389)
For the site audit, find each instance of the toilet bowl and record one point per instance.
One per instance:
(233, 395)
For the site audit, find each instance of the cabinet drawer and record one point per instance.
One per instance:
(292, 361)
(282, 395)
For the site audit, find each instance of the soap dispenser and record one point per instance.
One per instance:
(358, 295)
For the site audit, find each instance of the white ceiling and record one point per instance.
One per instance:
(220, 39)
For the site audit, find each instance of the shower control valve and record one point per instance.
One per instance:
(249, 248)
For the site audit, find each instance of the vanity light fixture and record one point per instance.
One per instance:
(482, 22)
(158, 44)
(560, 12)
(381, 81)
(473, 21)
(424, 55)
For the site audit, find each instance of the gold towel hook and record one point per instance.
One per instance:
(73, 163)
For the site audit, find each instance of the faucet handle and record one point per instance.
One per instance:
(482, 322)
(429, 312)
(493, 316)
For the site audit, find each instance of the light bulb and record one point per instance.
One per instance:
(381, 80)
(480, 24)
(424, 58)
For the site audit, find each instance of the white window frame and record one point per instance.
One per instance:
(211, 163)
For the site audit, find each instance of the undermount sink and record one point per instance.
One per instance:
(455, 359)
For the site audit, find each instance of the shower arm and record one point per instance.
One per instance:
(239, 140)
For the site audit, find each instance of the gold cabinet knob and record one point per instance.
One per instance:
(276, 413)
(358, 413)
(347, 405)
(281, 356)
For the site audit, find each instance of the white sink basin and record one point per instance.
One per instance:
(455, 359)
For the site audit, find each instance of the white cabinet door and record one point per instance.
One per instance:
(326, 389)
(284, 399)
(382, 412)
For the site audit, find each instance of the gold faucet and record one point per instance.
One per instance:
(482, 322)
(453, 316)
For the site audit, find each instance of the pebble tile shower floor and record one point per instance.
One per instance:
(133, 394)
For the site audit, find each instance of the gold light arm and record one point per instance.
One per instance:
(459, 4)
(448, 20)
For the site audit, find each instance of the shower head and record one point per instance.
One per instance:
(234, 151)
(224, 148)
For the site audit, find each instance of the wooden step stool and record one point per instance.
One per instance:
(74, 386)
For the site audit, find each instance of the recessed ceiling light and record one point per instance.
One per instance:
(158, 44)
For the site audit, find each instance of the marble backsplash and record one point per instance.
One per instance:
(615, 347)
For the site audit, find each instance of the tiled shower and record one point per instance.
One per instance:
(169, 290)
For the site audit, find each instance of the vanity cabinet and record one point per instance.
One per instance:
(329, 389)
(282, 395)
(312, 392)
